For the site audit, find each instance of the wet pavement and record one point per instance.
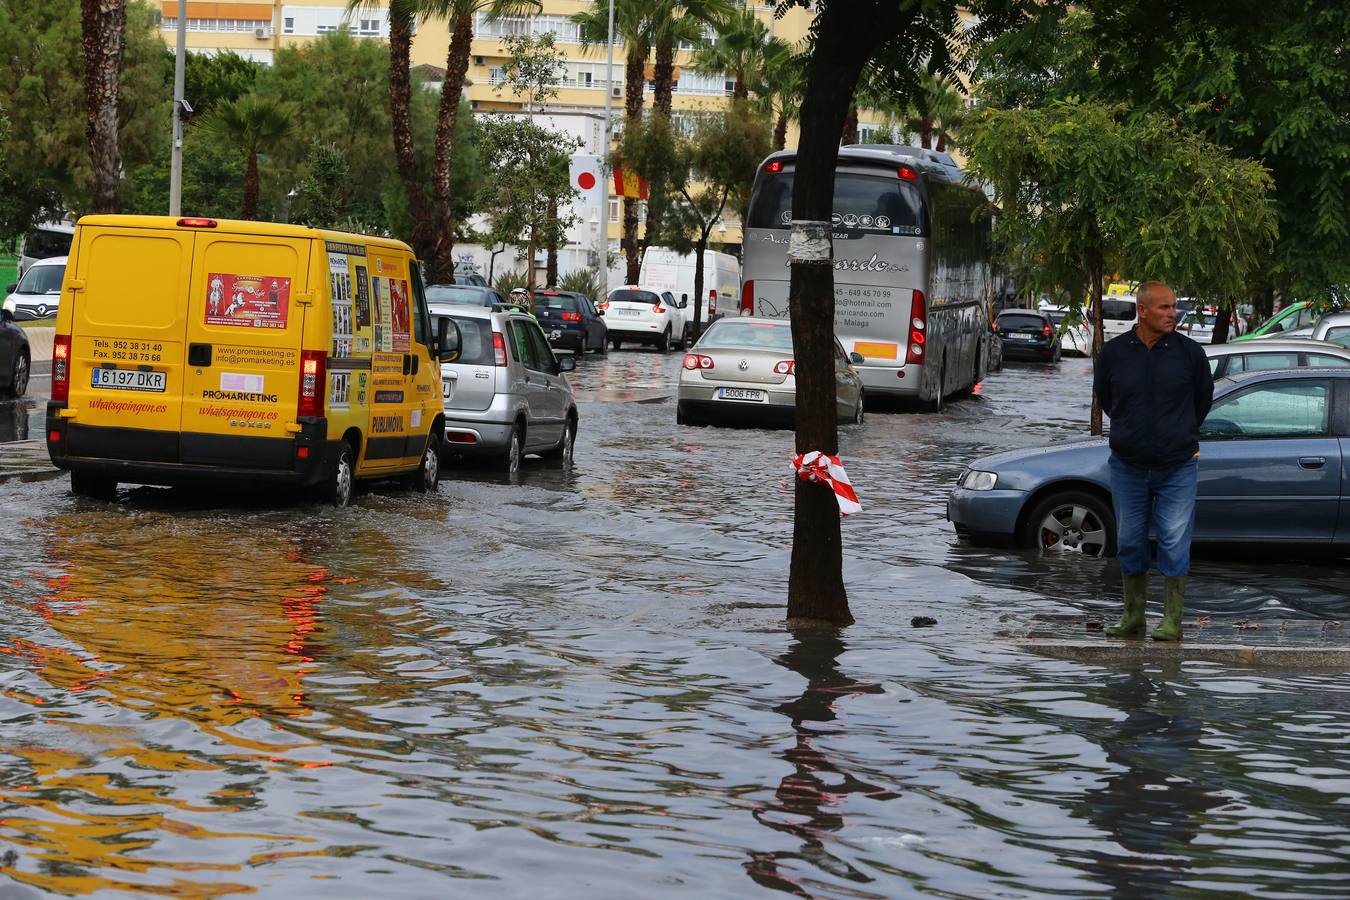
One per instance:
(580, 683)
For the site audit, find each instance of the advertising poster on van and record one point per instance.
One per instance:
(247, 301)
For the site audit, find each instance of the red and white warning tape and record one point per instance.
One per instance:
(827, 470)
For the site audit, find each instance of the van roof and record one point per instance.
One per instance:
(241, 226)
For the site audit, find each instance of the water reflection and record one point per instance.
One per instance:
(812, 797)
(14, 415)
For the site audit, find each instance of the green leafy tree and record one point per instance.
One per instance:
(525, 182)
(534, 69)
(49, 151)
(255, 125)
(1084, 188)
(211, 78)
(211, 184)
(778, 93)
(320, 199)
(672, 23)
(738, 50)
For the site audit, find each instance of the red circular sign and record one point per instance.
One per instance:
(586, 181)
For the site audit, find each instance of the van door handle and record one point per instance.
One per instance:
(1312, 462)
(407, 364)
(416, 363)
(199, 355)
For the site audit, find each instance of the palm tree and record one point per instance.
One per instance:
(255, 125)
(675, 22)
(778, 89)
(632, 26)
(933, 109)
(402, 19)
(738, 50)
(103, 25)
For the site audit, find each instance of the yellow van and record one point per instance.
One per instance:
(201, 349)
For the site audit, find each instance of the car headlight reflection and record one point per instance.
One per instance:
(979, 481)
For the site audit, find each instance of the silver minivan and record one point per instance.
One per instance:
(507, 395)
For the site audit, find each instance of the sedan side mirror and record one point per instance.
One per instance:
(857, 359)
(567, 362)
(448, 339)
(600, 312)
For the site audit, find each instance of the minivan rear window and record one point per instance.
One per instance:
(627, 296)
(1118, 310)
(863, 204)
(475, 341)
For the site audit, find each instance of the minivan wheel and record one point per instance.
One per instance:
(19, 384)
(1071, 522)
(566, 445)
(95, 487)
(509, 462)
(342, 483)
(427, 478)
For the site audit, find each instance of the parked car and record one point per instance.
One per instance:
(16, 358)
(1295, 320)
(743, 369)
(1028, 334)
(642, 316)
(464, 295)
(1334, 328)
(38, 293)
(1074, 338)
(507, 395)
(1198, 323)
(571, 321)
(1262, 356)
(1271, 464)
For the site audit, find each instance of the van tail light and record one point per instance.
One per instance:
(918, 328)
(786, 367)
(748, 297)
(712, 303)
(196, 223)
(694, 361)
(498, 349)
(571, 317)
(313, 376)
(61, 369)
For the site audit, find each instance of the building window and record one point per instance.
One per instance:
(288, 25)
(614, 209)
(369, 28)
(326, 29)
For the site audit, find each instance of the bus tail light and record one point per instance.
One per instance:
(498, 349)
(61, 369)
(773, 166)
(907, 173)
(918, 323)
(313, 376)
(748, 298)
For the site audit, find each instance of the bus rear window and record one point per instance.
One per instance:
(863, 204)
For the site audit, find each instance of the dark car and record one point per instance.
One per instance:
(16, 359)
(1274, 456)
(464, 295)
(1027, 334)
(570, 321)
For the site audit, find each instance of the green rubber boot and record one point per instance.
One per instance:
(1136, 596)
(1173, 603)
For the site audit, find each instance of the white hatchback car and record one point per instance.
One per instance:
(38, 293)
(642, 316)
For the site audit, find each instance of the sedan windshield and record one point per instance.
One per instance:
(42, 280)
(461, 295)
(731, 334)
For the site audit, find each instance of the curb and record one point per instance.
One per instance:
(1102, 652)
(26, 461)
(40, 342)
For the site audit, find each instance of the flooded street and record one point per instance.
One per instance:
(579, 683)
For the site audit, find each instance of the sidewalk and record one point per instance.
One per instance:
(40, 340)
(26, 461)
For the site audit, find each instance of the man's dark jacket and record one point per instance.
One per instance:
(1156, 398)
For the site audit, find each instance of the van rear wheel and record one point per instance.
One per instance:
(95, 487)
(341, 486)
(427, 478)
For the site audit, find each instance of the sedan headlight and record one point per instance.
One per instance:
(979, 481)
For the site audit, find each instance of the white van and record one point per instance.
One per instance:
(665, 270)
(1119, 314)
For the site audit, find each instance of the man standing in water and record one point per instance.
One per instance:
(1156, 386)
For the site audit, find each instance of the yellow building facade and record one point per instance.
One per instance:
(258, 30)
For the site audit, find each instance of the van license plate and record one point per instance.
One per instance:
(740, 394)
(129, 380)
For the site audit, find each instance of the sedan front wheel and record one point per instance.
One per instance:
(1071, 522)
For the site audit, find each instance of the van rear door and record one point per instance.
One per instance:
(245, 319)
(128, 332)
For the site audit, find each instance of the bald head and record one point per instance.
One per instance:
(1157, 306)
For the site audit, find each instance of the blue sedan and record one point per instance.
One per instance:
(1272, 470)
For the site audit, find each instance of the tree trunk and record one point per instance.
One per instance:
(780, 130)
(441, 265)
(551, 276)
(849, 133)
(400, 111)
(1265, 304)
(941, 142)
(847, 34)
(740, 90)
(251, 186)
(663, 78)
(926, 133)
(529, 268)
(634, 64)
(699, 250)
(1221, 326)
(102, 36)
(1096, 275)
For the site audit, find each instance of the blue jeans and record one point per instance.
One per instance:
(1164, 498)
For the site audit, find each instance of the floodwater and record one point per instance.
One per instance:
(579, 684)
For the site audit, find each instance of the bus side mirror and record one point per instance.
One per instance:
(448, 339)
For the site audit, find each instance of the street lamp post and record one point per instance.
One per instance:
(609, 105)
(176, 158)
